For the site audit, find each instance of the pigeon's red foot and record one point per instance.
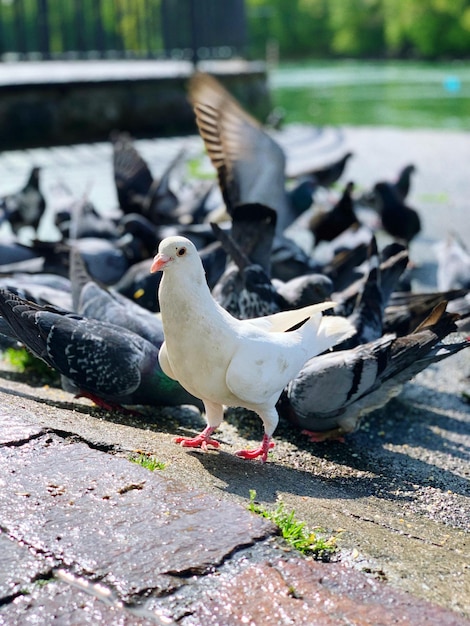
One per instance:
(202, 440)
(328, 435)
(262, 451)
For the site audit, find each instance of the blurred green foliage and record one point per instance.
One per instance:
(25, 362)
(428, 29)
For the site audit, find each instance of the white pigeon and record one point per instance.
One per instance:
(229, 362)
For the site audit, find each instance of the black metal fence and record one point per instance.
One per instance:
(58, 29)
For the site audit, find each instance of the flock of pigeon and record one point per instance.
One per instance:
(246, 314)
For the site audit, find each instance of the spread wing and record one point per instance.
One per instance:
(249, 163)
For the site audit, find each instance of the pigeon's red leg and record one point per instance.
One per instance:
(262, 451)
(104, 404)
(328, 435)
(202, 440)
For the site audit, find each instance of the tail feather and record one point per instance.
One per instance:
(322, 332)
(331, 331)
(287, 320)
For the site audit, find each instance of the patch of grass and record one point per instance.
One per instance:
(23, 361)
(147, 461)
(19, 358)
(196, 169)
(294, 532)
(438, 198)
(42, 582)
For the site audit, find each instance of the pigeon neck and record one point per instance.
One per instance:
(179, 289)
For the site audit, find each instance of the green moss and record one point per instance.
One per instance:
(147, 461)
(294, 532)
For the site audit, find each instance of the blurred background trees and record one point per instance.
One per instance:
(427, 29)
(298, 29)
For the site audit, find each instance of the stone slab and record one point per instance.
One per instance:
(309, 593)
(99, 514)
(58, 603)
(18, 567)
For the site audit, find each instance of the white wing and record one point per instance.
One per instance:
(280, 322)
(260, 369)
(164, 362)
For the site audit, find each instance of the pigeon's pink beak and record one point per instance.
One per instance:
(159, 263)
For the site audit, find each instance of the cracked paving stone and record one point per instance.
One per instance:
(96, 514)
(58, 603)
(16, 430)
(18, 567)
(299, 591)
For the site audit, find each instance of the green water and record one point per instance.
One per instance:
(404, 94)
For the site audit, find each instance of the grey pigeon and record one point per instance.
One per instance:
(244, 289)
(51, 289)
(137, 190)
(367, 314)
(13, 251)
(106, 363)
(82, 219)
(93, 301)
(250, 164)
(329, 174)
(335, 390)
(390, 271)
(406, 310)
(400, 186)
(326, 225)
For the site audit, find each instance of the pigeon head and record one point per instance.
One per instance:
(174, 252)
(34, 177)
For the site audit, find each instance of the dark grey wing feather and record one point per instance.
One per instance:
(97, 356)
(249, 162)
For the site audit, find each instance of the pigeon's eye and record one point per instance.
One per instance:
(181, 252)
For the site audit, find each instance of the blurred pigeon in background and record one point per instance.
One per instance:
(398, 220)
(453, 263)
(250, 164)
(26, 206)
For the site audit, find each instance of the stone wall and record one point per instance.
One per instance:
(50, 109)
